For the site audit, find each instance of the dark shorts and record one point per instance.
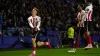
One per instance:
(80, 32)
(71, 42)
(35, 35)
(88, 25)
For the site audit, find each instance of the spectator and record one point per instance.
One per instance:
(55, 14)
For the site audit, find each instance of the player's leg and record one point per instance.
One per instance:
(39, 43)
(71, 42)
(95, 43)
(44, 44)
(89, 40)
(34, 34)
(90, 28)
(33, 47)
(76, 44)
(78, 38)
(88, 37)
(77, 41)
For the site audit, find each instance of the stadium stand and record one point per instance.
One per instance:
(56, 15)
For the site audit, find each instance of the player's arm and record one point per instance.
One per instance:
(83, 14)
(86, 13)
(78, 15)
(86, 9)
(39, 23)
(30, 23)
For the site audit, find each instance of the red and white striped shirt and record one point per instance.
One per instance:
(34, 21)
(81, 15)
(89, 10)
(81, 18)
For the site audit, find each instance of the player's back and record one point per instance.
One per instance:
(89, 10)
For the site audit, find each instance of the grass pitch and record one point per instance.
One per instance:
(53, 52)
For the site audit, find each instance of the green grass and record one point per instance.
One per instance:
(53, 52)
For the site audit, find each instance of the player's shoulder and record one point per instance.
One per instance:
(71, 28)
(83, 11)
(38, 17)
(29, 17)
(89, 7)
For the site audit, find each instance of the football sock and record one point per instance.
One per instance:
(34, 50)
(46, 43)
(76, 44)
(92, 42)
(88, 38)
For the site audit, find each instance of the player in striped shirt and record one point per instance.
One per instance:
(88, 25)
(88, 21)
(80, 28)
(35, 22)
(84, 17)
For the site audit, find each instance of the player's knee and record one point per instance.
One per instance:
(33, 39)
(38, 43)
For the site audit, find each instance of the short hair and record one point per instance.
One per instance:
(35, 9)
(89, 1)
(80, 6)
(72, 24)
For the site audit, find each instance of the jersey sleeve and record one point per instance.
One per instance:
(30, 23)
(83, 12)
(39, 22)
(86, 9)
(88, 12)
(83, 16)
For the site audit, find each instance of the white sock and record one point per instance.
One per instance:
(73, 49)
(34, 52)
(89, 44)
(47, 43)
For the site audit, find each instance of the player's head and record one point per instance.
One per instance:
(88, 3)
(72, 25)
(80, 8)
(34, 11)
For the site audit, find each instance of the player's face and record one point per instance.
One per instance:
(34, 12)
(88, 3)
(79, 8)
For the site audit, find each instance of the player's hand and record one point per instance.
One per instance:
(35, 28)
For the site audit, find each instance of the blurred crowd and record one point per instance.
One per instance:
(55, 14)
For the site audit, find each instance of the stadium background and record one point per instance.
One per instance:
(56, 16)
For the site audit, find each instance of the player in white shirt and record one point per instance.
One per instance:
(81, 17)
(80, 28)
(89, 10)
(35, 22)
(88, 25)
